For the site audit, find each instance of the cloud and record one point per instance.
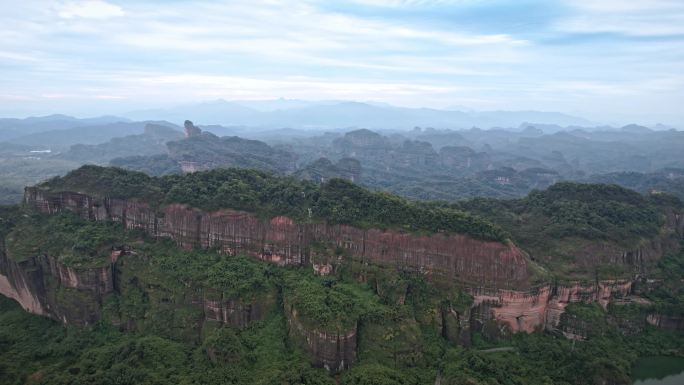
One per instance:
(414, 3)
(89, 9)
(499, 54)
(630, 18)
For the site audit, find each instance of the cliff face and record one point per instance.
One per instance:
(542, 307)
(44, 286)
(497, 275)
(236, 313)
(281, 240)
(333, 350)
(665, 322)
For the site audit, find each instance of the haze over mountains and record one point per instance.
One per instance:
(340, 114)
(434, 154)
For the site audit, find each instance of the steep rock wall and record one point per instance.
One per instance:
(44, 286)
(542, 307)
(237, 313)
(333, 350)
(665, 321)
(283, 241)
(497, 274)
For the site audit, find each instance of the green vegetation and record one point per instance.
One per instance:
(564, 210)
(35, 350)
(337, 201)
(569, 226)
(539, 358)
(8, 217)
(331, 305)
(75, 241)
(232, 276)
(18, 172)
(154, 332)
(668, 294)
(160, 164)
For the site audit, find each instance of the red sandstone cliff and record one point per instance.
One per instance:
(44, 286)
(281, 240)
(496, 274)
(542, 307)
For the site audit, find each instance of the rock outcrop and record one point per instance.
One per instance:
(236, 312)
(191, 130)
(280, 240)
(333, 350)
(666, 322)
(42, 285)
(541, 307)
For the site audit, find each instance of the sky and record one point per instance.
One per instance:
(605, 60)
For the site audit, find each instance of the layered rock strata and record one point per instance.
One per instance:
(283, 241)
(44, 286)
(541, 307)
(496, 274)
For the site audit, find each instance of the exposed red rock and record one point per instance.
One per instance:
(34, 283)
(283, 241)
(542, 307)
(496, 274)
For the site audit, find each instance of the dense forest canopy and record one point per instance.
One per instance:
(337, 201)
(567, 221)
(399, 341)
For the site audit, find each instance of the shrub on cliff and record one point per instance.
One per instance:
(74, 240)
(329, 305)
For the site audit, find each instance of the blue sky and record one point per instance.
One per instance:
(611, 61)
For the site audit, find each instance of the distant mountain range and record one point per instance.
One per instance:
(280, 113)
(14, 128)
(276, 119)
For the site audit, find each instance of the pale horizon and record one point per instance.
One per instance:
(609, 62)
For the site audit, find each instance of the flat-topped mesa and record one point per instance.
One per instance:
(282, 240)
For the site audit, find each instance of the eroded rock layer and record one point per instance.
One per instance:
(496, 274)
(541, 307)
(283, 241)
(44, 286)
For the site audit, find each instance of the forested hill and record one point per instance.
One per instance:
(337, 201)
(569, 222)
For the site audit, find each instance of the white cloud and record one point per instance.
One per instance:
(628, 17)
(413, 3)
(185, 51)
(89, 9)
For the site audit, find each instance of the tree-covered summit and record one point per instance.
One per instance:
(569, 224)
(336, 201)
